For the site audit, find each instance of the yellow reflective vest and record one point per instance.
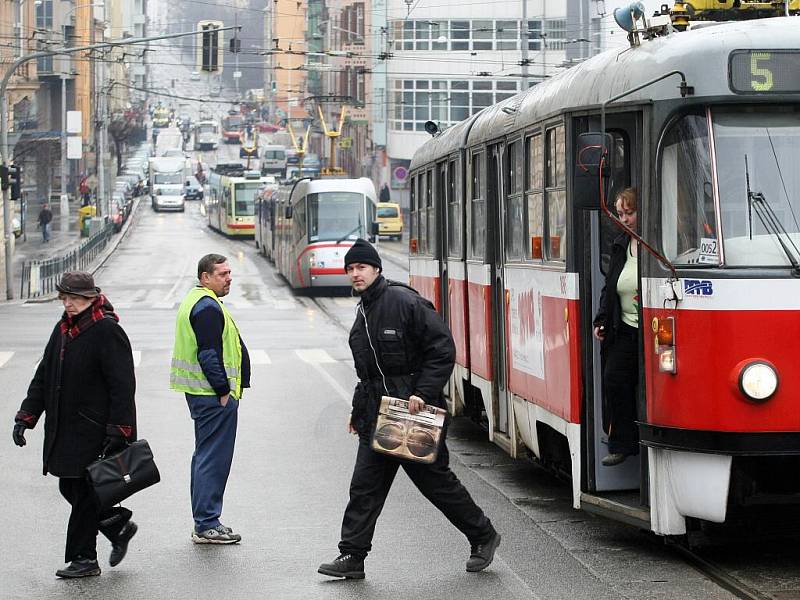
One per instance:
(186, 375)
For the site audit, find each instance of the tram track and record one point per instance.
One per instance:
(717, 574)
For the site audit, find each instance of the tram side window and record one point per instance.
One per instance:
(515, 203)
(412, 217)
(556, 194)
(299, 221)
(430, 242)
(534, 182)
(226, 195)
(453, 212)
(688, 220)
(477, 209)
(424, 186)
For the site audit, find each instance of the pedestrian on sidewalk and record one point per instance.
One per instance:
(85, 386)
(45, 216)
(211, 366)
(402, 348)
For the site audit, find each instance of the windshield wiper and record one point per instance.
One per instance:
(347, 235)
(757, 202)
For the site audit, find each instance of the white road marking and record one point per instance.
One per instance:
(314, 356)
(309, 356)
(5, 357)
(346, 302)
(259, 357)
(137, 358)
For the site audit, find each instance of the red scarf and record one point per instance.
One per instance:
(100, 309)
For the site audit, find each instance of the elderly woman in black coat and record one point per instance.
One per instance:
(85, 386)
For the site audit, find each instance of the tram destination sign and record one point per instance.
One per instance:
(764, 71)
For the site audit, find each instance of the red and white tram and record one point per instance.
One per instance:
(507, 239)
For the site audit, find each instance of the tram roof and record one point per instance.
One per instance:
(362, 185)
(701, 54)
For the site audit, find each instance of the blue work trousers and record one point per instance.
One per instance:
(214, 439)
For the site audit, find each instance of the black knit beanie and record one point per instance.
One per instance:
(362, 252)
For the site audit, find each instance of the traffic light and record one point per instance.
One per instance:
(15, 181)
(210, 50)
(235, 45)
(4, 176)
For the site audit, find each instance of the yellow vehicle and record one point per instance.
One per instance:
(390, 220)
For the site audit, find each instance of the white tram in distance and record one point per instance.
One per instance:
(231, 197)
(508, 240)
(307, 227)
(206, 135)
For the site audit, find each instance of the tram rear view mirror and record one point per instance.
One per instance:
(593, 161)
(375, 228)
(288, 212)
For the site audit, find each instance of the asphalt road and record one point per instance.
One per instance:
(293, 461)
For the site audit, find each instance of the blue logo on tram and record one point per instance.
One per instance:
(698, 287)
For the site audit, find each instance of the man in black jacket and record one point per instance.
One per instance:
(401, 348)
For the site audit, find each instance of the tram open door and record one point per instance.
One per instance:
(621, 488)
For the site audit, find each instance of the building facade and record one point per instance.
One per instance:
(444, 68)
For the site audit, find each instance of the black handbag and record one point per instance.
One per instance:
(120, 475)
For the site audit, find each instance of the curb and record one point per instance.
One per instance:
(99, 261)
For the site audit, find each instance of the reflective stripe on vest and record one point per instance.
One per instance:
(186, 374)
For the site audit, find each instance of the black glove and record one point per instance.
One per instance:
(113, 443)
(19, 434)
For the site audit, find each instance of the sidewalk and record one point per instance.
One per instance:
(63, 236)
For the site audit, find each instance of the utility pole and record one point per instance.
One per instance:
(236, 73)
(64, 200)
(102, 200)
(8, 243)
(524, 41)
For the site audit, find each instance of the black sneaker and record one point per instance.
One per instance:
(80, 567)
(482, 555)
(348, 566)
(119, 547)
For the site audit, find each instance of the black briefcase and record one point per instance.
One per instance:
(120, 475)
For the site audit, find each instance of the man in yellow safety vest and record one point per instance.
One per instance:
(210, 365)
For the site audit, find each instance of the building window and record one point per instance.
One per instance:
(445, 102)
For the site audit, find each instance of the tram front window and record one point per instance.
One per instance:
(335, 216)
(687, 201)
(768, 140)
(245, 204)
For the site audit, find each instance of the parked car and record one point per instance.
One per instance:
(119, 210)
(16, 227)
(192, 189)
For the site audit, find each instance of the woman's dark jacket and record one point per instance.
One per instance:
(610, 312)
(413, 345)
(86, 397)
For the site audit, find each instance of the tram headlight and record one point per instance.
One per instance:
(758, 380)
(312, 259)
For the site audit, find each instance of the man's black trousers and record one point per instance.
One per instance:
(372, 478)
(86, 519)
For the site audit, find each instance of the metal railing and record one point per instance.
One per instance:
(39, 277)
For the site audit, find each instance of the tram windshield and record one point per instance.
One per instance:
(209, 128)
(761, 144)
(245, 194)
(759, 229)
(336, 215)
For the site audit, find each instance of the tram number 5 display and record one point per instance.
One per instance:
(764, 71)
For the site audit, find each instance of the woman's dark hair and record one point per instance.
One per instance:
(208, 263)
